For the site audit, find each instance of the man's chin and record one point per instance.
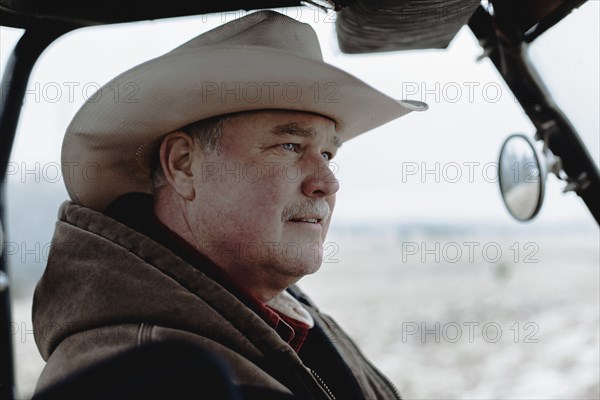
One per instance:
(296, 271)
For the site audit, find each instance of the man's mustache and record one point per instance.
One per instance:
(308, 208)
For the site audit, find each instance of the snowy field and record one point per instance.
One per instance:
(505, 330)
(471, 324)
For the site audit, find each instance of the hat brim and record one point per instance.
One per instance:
(107, 147)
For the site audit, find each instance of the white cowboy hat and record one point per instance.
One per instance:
(264, 60)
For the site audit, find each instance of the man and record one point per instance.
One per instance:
(196, 208)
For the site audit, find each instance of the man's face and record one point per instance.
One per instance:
(263, 202)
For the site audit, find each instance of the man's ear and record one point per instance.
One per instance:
(176, 156)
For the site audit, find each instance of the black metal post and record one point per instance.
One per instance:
(13, 85)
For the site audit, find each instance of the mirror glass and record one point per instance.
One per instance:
(521, 177)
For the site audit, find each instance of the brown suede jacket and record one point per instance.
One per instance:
(109, 288)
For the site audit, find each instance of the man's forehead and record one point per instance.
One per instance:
(296, 129)
(287, 122)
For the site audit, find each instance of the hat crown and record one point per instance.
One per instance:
(261, 29)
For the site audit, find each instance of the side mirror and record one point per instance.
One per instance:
(522, 177)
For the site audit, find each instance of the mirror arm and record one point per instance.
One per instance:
(577, 185)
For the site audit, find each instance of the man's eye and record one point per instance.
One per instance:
(327, 156)
(289, 146)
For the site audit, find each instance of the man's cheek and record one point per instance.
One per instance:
(265, 172)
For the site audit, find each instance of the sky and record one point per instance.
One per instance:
(436, 166)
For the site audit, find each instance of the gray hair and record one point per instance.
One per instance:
(206, 132)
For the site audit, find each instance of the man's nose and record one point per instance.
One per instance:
(320, 181)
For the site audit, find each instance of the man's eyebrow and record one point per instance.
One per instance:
(293, 129)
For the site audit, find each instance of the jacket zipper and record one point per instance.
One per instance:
(322, 383)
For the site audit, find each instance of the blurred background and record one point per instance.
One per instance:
(445, 292)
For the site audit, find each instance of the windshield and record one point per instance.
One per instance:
(567, 59)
